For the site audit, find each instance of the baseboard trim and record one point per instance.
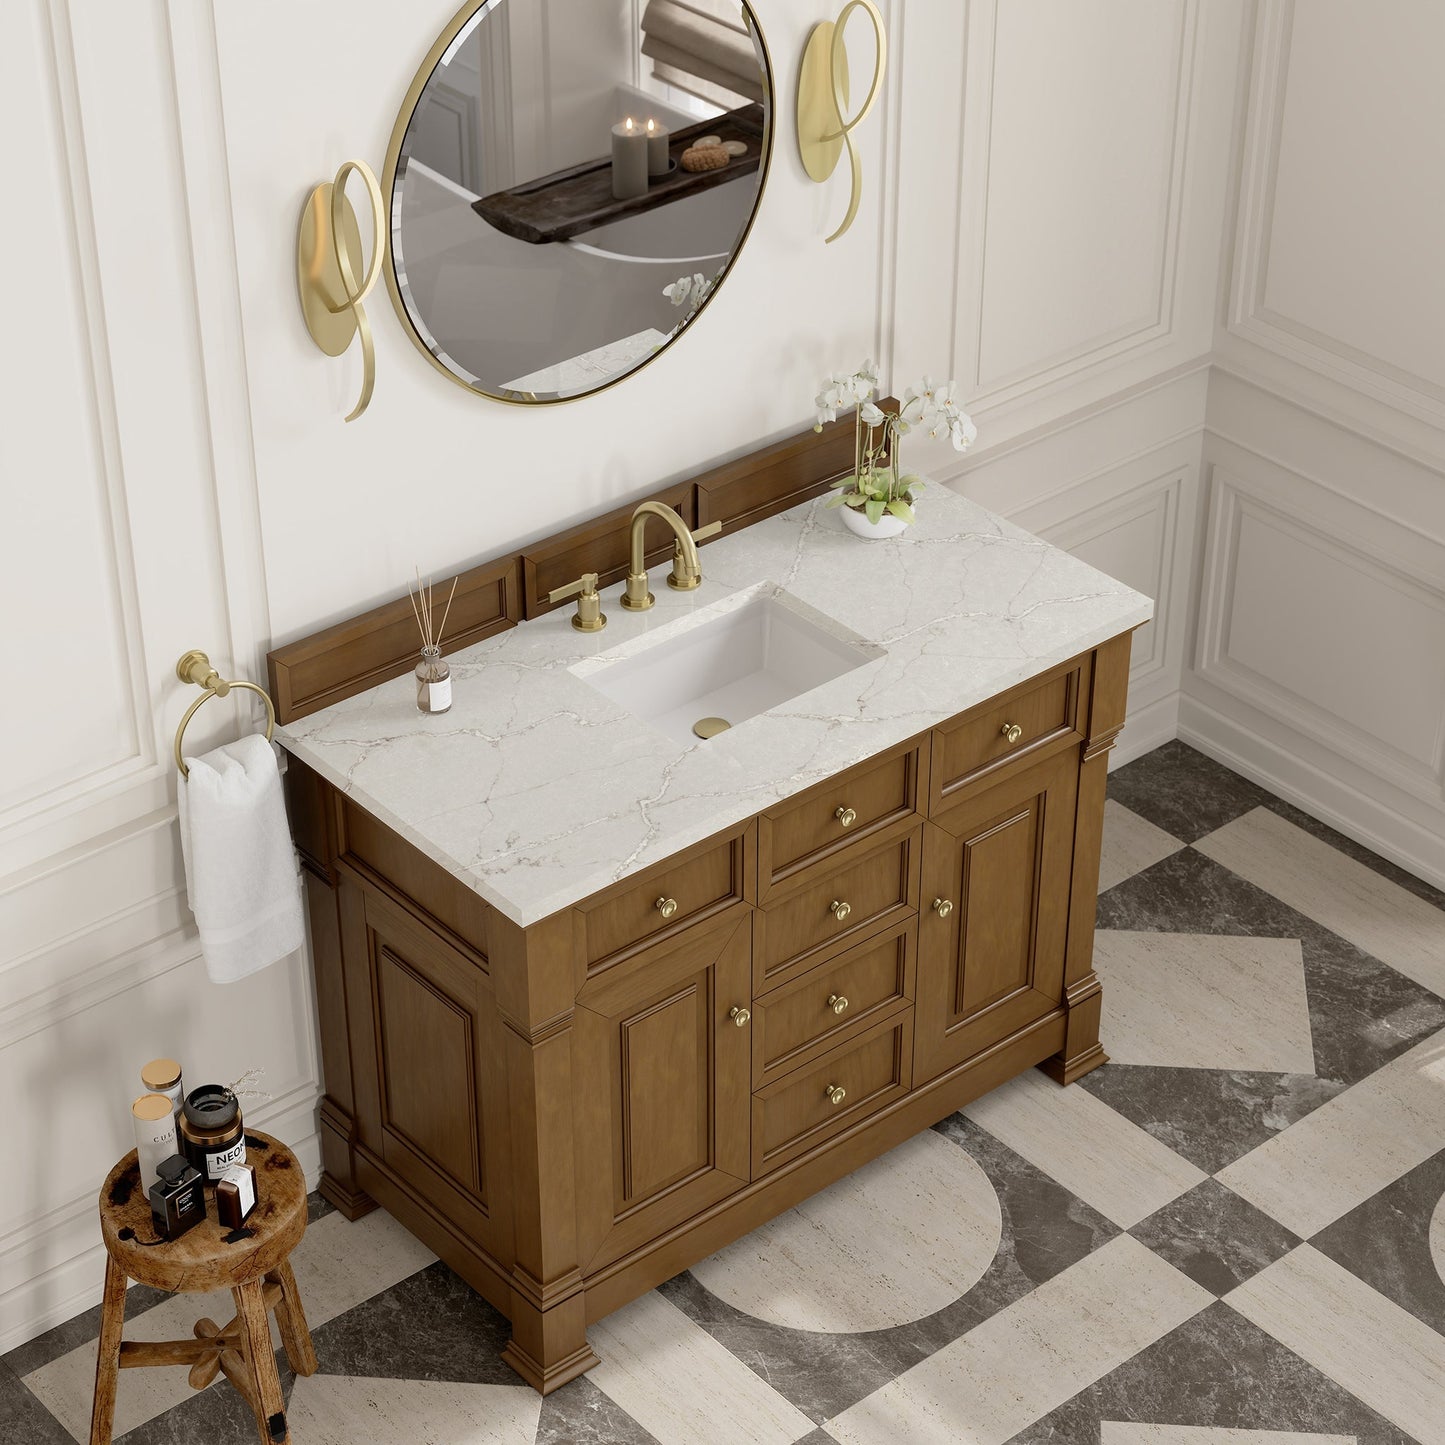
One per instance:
(1147, 727)
(1288, 775)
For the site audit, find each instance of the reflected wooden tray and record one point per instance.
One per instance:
(567, 203)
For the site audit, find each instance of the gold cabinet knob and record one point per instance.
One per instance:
(846, 816)
(840, 911)
(836, 1094)
(837, 1003)
(942, 907)
(1013, 732)
(739, 1016)
(666, 906)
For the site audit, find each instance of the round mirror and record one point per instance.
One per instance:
(569, 182)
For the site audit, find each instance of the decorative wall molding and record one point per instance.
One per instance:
(1249, 317)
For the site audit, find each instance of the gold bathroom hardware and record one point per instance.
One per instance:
(589, 616)
(739, 1016)
(840, 911)
(686, 574)
(846, 816)
(823, 101)
(195, 667)
(328, 259)
(1013, 732)
(838, 1003)
(836, 1094)
(942, 907)
(666, 906)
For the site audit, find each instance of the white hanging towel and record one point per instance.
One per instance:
(241, 870)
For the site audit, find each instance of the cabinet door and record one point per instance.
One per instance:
(994, 961)
(431, 1098)
(662, 1076)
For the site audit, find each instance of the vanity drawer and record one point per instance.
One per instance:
(799, 1111)
(1042, 715)
(836, 814)
(832, 1004)
(696, 885)
(868, 890)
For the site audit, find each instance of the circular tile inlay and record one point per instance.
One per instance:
(1437, 1237)
(893, 1242)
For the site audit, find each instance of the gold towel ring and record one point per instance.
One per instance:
(195, 667)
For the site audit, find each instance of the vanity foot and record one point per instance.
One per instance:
(353, 1203)
(1066, 1070)
(1082, 1051)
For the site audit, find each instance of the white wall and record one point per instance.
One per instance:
(1177, 254)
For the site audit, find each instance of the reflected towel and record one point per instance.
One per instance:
(241, 869)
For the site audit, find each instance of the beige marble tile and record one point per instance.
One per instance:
(1131, 844)
(1351, 1147)
(675, 1380)
(1200, 1001)
(1032, 1356)
(1113, 1432)
(338, 1264)
(1386, 921)
(344, 1410)
(1437, 1237)
(1109, 1162)
(839, 1263)
(1361, 1340)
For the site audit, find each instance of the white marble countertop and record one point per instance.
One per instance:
(536, 791)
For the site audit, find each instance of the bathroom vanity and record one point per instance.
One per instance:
(597, 997)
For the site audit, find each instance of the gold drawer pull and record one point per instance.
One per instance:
(846, 816)
(840, 911)
(666, 906)
(739, 1016)
(837, 1003)
(1013, 732)
(942, 907)
(836, 1094)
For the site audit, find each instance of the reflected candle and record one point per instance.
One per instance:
(629, 161)
(659, 162)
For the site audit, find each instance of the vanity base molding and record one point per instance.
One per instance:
(572, 1112)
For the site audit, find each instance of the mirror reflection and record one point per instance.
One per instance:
(569, 182)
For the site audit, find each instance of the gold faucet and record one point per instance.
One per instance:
(686, 573)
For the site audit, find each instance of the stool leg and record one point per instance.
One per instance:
(107, 1360)
(291, 1321)
(269, 1405)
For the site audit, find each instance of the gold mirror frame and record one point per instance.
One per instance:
(388, 191)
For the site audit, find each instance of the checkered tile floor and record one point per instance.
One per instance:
(1233, 1234)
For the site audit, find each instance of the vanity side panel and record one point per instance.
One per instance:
(1083, 994)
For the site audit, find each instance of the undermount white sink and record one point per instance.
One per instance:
(744, 656)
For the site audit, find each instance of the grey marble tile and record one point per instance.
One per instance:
(431, 1326)
(1386, 1242)
(317, 1208)
(23, 1418)
(817, 1437)
(78, 1330)
(1216, 1370)
(1210, 1116)
(1218, 1239)
(580, 1414)
(1362, 1013)
(1183, 792)
(1045, 1230)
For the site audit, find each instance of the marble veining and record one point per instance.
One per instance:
(537, 791)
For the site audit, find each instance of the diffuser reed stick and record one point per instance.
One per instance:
(433, 676)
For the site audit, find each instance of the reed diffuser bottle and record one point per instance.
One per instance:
(433, 675)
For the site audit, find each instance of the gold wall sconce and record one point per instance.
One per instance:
(823, 101)
(328, 261)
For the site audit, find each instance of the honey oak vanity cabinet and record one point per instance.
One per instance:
(571, 1112)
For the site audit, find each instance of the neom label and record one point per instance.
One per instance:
(217, 1164)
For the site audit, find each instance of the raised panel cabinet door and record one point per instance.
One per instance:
(662, 1051)
(433, 1100)
(994, 915)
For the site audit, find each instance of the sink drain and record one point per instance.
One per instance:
(710, 727)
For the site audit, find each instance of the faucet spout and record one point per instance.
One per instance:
(686, 573)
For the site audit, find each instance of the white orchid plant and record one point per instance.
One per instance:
(691, 292)
(878, 486)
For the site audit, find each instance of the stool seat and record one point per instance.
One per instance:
(253, 1262)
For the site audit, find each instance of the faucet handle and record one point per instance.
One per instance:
(712, 529)
(589, 616)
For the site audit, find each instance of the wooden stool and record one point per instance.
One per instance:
(253, 1262)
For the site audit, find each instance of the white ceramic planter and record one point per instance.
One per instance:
(886, 526)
